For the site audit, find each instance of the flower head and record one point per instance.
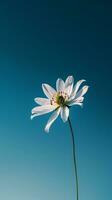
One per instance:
(59, 100)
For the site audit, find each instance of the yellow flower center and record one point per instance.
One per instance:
(60, 100)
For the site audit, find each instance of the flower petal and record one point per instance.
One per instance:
(82, 91)
(60, 85)
(40, 110)
(48, 90)
(64, 113)
(77, 101)
(42, 101)
(76, 87)
(69, 81)
(80, 99)
(69, 85)
(52, 119)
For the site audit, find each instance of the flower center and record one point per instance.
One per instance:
(60, 100)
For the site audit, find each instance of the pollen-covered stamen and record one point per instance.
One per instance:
(63, 94)
(59, 99)
(53, 101)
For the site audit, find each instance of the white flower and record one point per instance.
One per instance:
(59, 100)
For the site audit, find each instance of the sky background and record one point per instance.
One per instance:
(39, 42)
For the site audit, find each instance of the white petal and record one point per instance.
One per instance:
(40, 110)
(64, 113)
(82, 91)
(80, 99)
(69, 81)
(60, 85)
(52, 119)
(76, 87)
(48, 90)
(68, 90)
(77, 101)
(69, 85)
(42, 101)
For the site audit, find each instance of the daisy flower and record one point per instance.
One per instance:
(59, 100)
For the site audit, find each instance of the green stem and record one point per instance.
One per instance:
(74, 158)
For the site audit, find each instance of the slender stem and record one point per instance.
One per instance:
(74, 158)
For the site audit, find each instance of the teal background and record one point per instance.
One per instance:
(39, 42)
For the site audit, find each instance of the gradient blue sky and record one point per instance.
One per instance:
(39, 42)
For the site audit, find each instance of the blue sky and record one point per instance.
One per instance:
(39, 42)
